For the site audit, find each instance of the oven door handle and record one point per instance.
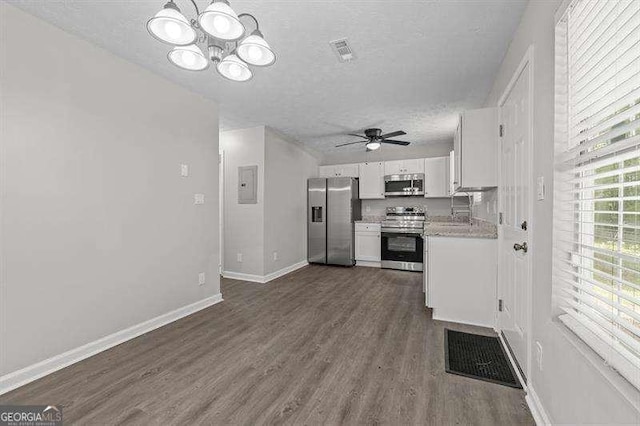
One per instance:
(401, 233)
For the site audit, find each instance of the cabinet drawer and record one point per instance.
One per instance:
(374, 227)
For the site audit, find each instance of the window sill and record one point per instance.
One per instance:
(626, 389)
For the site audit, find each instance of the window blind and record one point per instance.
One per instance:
(596, 266)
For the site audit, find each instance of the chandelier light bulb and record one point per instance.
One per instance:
(188, 57)
(173, 30)
(171, 27)
(221, 24)
(233, 68)
(255, 50)
(255, 53)
(220, 21)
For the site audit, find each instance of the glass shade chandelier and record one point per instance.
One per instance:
(221, 31)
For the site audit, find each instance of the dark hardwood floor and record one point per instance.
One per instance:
(322, 345)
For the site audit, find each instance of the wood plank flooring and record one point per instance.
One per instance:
(322, 345)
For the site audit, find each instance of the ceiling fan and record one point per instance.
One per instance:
(374, 139)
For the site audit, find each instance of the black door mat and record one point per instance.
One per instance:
(478, 357)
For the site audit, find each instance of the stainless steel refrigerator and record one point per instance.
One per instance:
(333, 208)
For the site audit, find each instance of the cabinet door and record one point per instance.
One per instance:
(348, 170)
(371, 181)
(413, 166)
(435, 177)
(479, 140)
(368, 246)
(427, 300)
(327, 171)
(393, 167)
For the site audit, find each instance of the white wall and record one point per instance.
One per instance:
(278, 222)
(99, 231)
(569, 387)
(389, 153)
(287, 168)
(243, 223)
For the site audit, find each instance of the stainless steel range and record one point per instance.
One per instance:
(402, 242)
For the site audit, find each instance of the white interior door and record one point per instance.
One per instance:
(514, 257)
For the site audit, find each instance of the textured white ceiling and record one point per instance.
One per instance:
(418, 63)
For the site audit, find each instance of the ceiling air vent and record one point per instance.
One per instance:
(343, 50)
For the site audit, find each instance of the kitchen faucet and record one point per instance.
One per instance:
(457, 210)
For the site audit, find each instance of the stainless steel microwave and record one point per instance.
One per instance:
(404, 185)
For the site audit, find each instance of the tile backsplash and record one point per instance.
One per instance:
(434, 206)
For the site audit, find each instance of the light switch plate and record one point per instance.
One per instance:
(239, 257)
(540, 188)
(184, 170)
(198, 198)
(201, 278)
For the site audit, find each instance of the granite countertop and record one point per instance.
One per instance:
(371, 219)
(434, 227)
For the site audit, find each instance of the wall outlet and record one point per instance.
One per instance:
(239, 257)
(184, 170)
(198, 198)
(201, 278)
(367, 209)
(275, 256)
(539, 355)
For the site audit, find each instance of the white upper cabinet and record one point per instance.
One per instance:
(475, 146)
(339, 170)
(349, 170)
(371, 180)
(403, 167)
(436, 181)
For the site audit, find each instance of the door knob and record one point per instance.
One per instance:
(522, 247)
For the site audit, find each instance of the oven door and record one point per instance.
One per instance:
(402, 250)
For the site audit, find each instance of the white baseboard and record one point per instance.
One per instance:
(438, 317)
(243, 277)
(33, 372)
(368, 263)
(285, 271)
(535, 406)
(264, 278)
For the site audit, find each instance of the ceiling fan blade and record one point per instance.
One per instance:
(391, 141)
(393, 134)
(360, 136)
(349, 143)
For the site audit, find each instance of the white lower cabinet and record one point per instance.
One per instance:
(460, 279)
(368, 244)
(425, 274)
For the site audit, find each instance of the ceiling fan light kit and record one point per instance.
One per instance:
(372, 146)
(373, 138)
(218, 28)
